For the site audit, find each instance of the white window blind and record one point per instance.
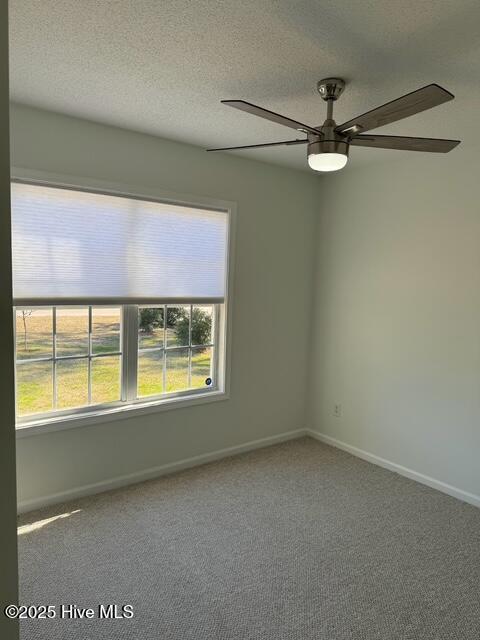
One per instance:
(78, 245)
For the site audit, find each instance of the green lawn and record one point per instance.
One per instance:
(150, 371)
(35, 379)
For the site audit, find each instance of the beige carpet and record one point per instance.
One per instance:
(299, 541)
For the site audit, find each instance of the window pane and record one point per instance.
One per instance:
(105, 329)
(150, 327)
(72, 331)
(178, 326)
(177, 370)
(72, 383)
(202, 321)
(106, 379)
(34, 387)
(150, 373)
(34, 333)
(201, 368)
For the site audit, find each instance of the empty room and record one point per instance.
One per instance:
(240, 320)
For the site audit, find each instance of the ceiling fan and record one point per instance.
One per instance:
(328, 144)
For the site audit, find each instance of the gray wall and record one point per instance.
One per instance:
(272, 300)
(397, 314)
(8, 537)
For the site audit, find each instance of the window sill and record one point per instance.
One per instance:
(61, 423)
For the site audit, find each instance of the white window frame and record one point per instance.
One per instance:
(129, 406)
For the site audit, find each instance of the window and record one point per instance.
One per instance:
(119, 301)
(176, 354)
(67, 357)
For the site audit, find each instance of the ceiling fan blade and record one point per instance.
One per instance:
(415, 102)
(266, 144)
(433, 145)
(270, 115)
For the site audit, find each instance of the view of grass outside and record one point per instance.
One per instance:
(34, 341)
(167, 371)
(43, 386)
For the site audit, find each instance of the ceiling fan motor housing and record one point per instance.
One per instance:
(328, 146)
(330, 142)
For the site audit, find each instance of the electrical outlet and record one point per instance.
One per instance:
(337, 410)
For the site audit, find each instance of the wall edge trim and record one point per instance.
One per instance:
(433, 483)
(150, 473)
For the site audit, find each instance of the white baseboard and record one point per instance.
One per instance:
(465, 496)
(154, 472)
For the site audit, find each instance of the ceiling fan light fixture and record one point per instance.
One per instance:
(327, 161)
(327, 155)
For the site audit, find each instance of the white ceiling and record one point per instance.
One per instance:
(162, 66)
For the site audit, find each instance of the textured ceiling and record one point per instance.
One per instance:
(162, 66)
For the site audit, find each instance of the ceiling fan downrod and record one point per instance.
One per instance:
(330, 89)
